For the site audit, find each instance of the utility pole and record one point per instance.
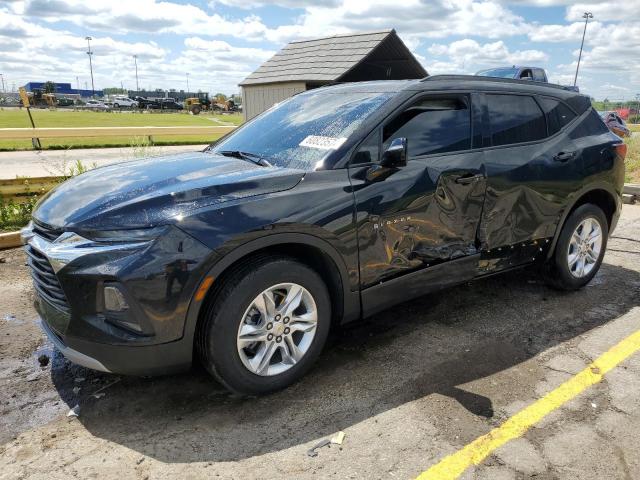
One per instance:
(89, 52)
(77, 85)
(135, 60)
(2, 78)
(187, 82)
(586, 16)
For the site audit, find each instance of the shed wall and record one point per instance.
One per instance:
(258, 98)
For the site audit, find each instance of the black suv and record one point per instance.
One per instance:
(329, 207)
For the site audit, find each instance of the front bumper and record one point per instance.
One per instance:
(71, 354)
(158, 280)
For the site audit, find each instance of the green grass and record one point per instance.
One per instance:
(632, 161)
(15, 118)
(634, 128)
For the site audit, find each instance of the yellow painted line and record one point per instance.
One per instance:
(454, 465)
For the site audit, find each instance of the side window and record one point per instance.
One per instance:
(515, 119)
(432, 125)
(538, 75)
(526, 74)
(369, 150)
(558, 114)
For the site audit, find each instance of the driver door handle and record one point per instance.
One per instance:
(564, 156)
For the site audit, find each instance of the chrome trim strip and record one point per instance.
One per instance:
(71, 354)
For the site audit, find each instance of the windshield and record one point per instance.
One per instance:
(499, 72)
(303, 130)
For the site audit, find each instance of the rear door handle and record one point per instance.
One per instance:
(564, 156)
(469, 178)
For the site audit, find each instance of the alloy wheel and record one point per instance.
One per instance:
(277, 329)
(584, 247)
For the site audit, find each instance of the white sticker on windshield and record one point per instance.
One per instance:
(322, 143)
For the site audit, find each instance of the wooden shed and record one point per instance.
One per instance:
(308, 64)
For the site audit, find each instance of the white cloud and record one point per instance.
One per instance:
(467, 53)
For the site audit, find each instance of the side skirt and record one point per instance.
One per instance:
(418, 283)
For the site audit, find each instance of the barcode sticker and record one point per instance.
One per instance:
(322, 143)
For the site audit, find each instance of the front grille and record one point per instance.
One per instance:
(45, 280)
(46, 233)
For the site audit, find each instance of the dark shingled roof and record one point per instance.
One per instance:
(356, 57)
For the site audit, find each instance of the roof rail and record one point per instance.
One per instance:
(478, 78)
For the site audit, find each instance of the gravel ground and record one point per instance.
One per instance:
(407, 387)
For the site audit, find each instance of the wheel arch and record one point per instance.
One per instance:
(308, 249)
(601, 195)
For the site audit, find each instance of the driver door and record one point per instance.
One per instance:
(417, 224)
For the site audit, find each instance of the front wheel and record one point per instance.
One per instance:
(267, 325)
(580, 249)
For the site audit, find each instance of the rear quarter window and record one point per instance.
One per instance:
(515, 119)
(557, 113)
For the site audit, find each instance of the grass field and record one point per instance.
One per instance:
(632, 162)
(14, 118)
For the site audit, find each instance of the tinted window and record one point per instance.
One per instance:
(558, 114)
(434, 125)
(515, 119)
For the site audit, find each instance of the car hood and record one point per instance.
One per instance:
(156, 191)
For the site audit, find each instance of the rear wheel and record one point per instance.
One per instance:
(266, 327)
(580, 249)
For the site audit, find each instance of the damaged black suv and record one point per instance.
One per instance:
(330, 206)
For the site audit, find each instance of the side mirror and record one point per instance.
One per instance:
(396, 154)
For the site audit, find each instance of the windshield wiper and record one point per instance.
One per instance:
(251, 157)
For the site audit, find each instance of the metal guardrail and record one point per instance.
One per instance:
(18, 190)
(55, 132)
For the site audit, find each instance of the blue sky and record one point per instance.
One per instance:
(219, 42)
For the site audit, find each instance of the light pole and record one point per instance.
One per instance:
(77, 85)
(89, 52)
(135, 59)
(586, 16)
(2, 78)
(187, 82)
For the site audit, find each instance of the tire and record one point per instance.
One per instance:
(116, 106)
(564, 270)
(233, 310)
(195, 110)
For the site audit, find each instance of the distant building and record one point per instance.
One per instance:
(62, 89)
(308, 64)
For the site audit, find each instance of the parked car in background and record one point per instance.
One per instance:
(122, 101)
(517, 73)
(616, 124)
(168, 104)
(145, 102)
(96, 105)
(331, 206)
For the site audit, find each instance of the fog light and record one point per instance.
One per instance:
(114, 300)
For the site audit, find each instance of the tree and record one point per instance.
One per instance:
(49, 87)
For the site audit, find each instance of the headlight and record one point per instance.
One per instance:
(125, 236)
